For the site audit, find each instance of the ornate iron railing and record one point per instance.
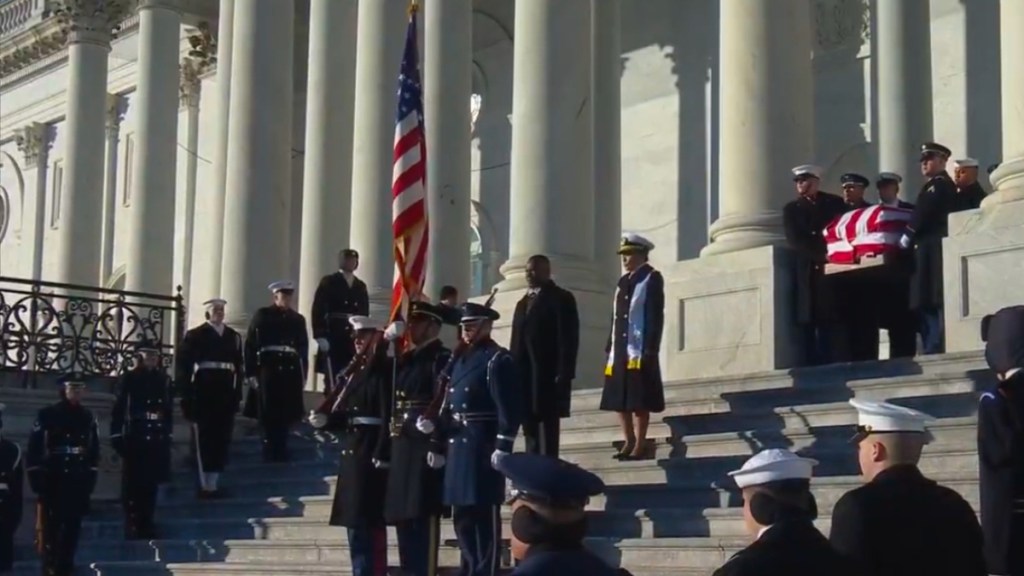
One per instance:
(51, 328)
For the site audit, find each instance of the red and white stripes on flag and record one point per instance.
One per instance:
(870, 231)
(409, 182)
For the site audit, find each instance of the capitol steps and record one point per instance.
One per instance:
(676, 513)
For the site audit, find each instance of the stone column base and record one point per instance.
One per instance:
(983, 268)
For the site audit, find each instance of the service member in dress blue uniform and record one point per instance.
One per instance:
(779, 511)
(276, 359)
(12, 471)
(141, 426)
(901, 523)
(888, 186)
(547, 497)
(857, 290)
(633, 386)
(893, 302)
(61, 461)
(480, 419)
(1001, 444)
(359, 411)
(339, 296)
(209, 372)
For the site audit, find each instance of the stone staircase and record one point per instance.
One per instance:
(675, 514)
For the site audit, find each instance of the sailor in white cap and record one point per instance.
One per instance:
(779, 512)
(888, 185)
(901, 523)
(804, 219)
(969, 191)
(276, 361)
(12, 474)
(633, 387)
(339, 295)
(208, 369)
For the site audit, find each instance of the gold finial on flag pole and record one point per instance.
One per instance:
(414, 7)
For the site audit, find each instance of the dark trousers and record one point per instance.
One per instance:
(859, 341)
(275, 441)
(418, 540)
(903, 338)
(478, 529)
(542, 436)
(819, 343)
(6, 549)
(60, 540)
(214, 438)
(368, 549)
(139, 501)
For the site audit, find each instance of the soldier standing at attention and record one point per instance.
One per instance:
(545, 340)
(969, 192)
(480, 419)
(12, 472)
(63, 453)
(339, 296)
(276, 352)
(632, 385)
(803, 220)
(1001, 444)
(209, 372)
(141, 425)
(901, 523)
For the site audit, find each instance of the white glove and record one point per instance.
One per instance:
(424, 425)
(435, 461)
(496, 457)
(317, 420)
(394, 331)
(380, 465)
(323, 345)
(905, 242)
(253, 382)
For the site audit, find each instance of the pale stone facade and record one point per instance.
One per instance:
(132, 162)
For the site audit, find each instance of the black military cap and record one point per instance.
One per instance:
(450, 315)
(420, 309)
(473, 312)
(73, 380)
(549, 480)
(855, 179)
(1004, 339)
(148, 345)
(349, 253)
(931, 149)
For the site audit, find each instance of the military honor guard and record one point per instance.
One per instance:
(633, 386)
(803, 220)
(339, 296)
(928, 226)
(358, 410)
(854, 189)
(544, 343)
(61, 461)
(888, 186)
(1001, 444)
(893, 304)
(779, 511)
(969, 192)
(141, 428)
(479, 419)
(413, 501)
(12, 472)
(858, 291)
(901, 523)
(208, 370)
(276, 358)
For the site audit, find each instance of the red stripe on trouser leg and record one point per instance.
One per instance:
(380, 551)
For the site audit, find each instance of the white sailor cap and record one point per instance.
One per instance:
(966, 163)
(365, 323)
(281, 286)
(807, 170)
(884, 177)
(772, 465)
(213, 302)
(880, 417)
(632, 242)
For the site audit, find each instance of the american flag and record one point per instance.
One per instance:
(409, 182)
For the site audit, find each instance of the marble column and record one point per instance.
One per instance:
(904, 67)
(34, 142)
(258, 182)
(606, 91)
(190, 94)
(767, 89)
(150, 242)
(89, 24)
(448, 82)
(209, 268)
(327, 195)
(1008, 178)
(117, 106)
(378, 55)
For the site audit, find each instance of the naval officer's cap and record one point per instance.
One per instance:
(888, 178)
(634, 243)
(426, 310)
(473, 312)
(886, 418)
(361, 323)
(548, 481)
(932, 149)
(806, 171)
(965, 163)
(773, 465)
(283, 286)
(72, 381)
(854, 179)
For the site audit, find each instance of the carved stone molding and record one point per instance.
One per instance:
(33, 142)
(89, 21)
(117, 107)
(841, 23)
(45, 40)
(203, 45)
(190, 82)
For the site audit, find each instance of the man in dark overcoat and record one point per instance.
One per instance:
(208, 370)
(803, 221)
(61, 462)
(901, 523)
(928, 226)
(633, 386)
(1001, 444)
(359, 411)
(12, 473)
(544, 343)
(893, 302)
(856, 291)
(141, 425)
(338, 296)
(276, 353)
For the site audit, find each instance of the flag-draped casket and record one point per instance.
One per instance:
(871, 231)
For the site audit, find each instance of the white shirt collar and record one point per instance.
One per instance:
(349, 276)
(894, 204)
(218, 327)
(762, 531)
